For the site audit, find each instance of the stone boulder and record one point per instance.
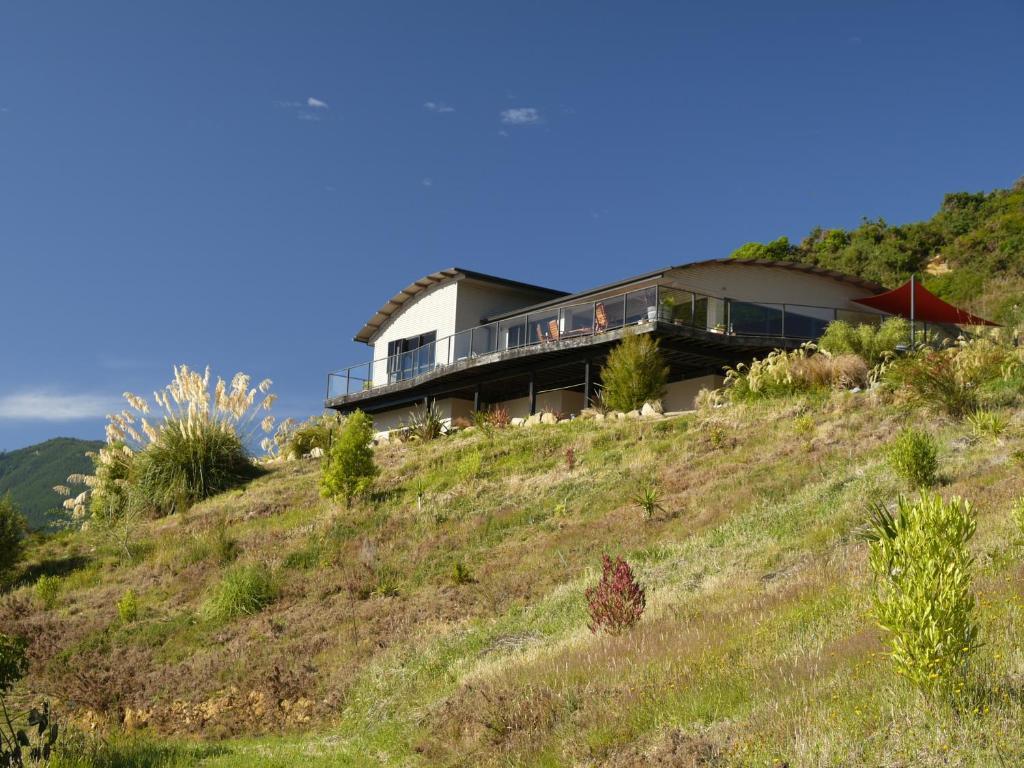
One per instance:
(548, 418)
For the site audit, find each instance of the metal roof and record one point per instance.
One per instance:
(792, 265)
(452, 273)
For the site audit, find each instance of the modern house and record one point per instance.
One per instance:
(463, 340)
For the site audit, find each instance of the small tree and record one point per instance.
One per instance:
(350, 469)
(634, 374)
(617, 601)
(12, 537)
(913, 455)
(923, 599)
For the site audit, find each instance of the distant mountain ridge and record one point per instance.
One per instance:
(30, 473)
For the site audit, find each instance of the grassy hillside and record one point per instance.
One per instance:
(29, 474)
(757, 647)
(971, 251)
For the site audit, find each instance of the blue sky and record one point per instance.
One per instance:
(242, 185)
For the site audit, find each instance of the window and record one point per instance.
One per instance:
(410, 357)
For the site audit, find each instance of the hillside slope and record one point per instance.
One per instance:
(757, 647)
(29, 474)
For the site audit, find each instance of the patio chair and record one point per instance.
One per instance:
(553, 330)
(600, 318)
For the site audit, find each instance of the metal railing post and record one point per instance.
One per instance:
(783, 321)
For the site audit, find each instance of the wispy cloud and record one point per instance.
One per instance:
(314, 103)
(437, 106)
(54, 406)
(520, 116)
(427, 182)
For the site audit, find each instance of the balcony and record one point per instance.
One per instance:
(539, 330)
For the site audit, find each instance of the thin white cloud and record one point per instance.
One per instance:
(53, 406)
(520, 116)
(308, 116)
(315, 103)
(437, 106)
(427, 182)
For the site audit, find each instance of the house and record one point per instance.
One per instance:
(463, 340)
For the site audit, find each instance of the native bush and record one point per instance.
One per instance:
(874, 344)
(128, 607)
(986, 423)
(922, 598)
(13, 662)
(635, 373)
(47, 590)
(425, 423)
(647, 497)
(781, 373)
(188, 463)
(243, 590)
(617, 601)
(12, 538)
(913, 456)
(461, 574)
(350, 469)
(195, 447)
(316, 432)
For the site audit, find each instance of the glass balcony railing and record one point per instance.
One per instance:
(656, 303)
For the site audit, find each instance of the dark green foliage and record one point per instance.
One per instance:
(12, 538)
(461, 573)
(635, 373)
(350, 469)
(980, 237)
(13, 662)
(425, 423)
(29, 474)
(913, 455)
(189, 463)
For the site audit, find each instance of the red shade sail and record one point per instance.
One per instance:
(926, 306)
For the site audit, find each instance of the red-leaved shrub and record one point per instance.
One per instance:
(617, 602)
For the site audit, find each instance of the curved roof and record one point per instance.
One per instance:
(796, 266)
(414, 289)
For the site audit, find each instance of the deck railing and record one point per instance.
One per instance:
(653, 303)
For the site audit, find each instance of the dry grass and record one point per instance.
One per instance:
(756, 645)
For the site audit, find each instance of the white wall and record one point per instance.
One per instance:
(774, 285)
(679, 395)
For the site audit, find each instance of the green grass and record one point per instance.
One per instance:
(757, 645)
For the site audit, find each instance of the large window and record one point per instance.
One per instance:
(411, 357)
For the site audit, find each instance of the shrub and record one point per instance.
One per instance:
(648, 497)
(128, 607)
(782, 373)
(913, 456)
(244, 590)
(461, 573)
(47, 590)
(425, 423)
(635, 373)
(874, 344)
(922, 599)
(988, 423)
(12, 538)
(13, 662)
(195, 448)
(617, 601)
(350, 469)
(317, 432)
(931, 380)
(188, 463)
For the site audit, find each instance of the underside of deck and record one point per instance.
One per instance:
(561, 364)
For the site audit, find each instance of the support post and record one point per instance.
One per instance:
(586, 383)
(533, 395)
(476, 399)
(912, 312)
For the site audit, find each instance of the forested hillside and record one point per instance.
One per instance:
(29, 474)
(970, 252)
